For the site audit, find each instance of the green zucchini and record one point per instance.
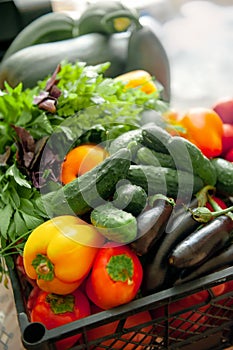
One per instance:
(224, 171)
(131, 198)
(156, 138)
(147, 52)
(107, 17)
(54, 26)
(163, 180)
(188, 157)
(36, 62)
(115, 224)
(91, 189)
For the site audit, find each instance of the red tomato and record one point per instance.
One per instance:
(229, 155)
(115, 278)
(227, 138)
(135, 337)
(56, 310)
(224, 108)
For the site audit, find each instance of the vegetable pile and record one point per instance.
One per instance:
(101, 201)
(108, 195)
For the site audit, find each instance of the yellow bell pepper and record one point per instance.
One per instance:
(59, 253)
(140, 79)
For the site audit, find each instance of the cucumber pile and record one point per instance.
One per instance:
(146, 193)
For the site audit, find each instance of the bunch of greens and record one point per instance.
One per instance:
(25, 127)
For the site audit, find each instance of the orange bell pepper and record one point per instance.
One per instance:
(201, 126)
(59, 253)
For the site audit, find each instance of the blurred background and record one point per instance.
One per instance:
(198, 38)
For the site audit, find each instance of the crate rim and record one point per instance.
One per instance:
(122, 311)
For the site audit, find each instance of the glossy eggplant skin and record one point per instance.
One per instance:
(157, 266)
(223, 259)
(151, 224)
(203, 243)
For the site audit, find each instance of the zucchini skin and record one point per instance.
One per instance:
(145, 51)
(54, 26)
(90, 189)
(100, 18)
(170, 182)
(36, 62)
(203, 243)
(157, 266)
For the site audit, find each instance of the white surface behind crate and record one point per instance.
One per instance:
(9, 330)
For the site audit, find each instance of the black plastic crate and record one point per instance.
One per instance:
(211, 328)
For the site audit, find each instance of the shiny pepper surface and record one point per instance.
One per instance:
(59, 253)
(201, 126)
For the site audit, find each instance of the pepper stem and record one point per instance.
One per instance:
(120, 268)
(44, 267)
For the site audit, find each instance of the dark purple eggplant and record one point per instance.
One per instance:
(203, 243)
(151, 224)
(156, 268)
(223, 259)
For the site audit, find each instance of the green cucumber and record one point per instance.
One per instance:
(163, 180)
(224, 171)
(131, 198)
(115, 224)
(189, 157)
(148, 156)
(91, 189)
(125, 139)
(156, 138)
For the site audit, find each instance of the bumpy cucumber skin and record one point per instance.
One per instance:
(156, 138)
(170, 182)
(201, 165)
(50, 27)
(224, 171)
(124, 140)
(92, 188)
(114, 224)
(130, 198)
(148, 156)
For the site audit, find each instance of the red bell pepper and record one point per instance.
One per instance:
(115, 277)
(56, 310)
(213, 200)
